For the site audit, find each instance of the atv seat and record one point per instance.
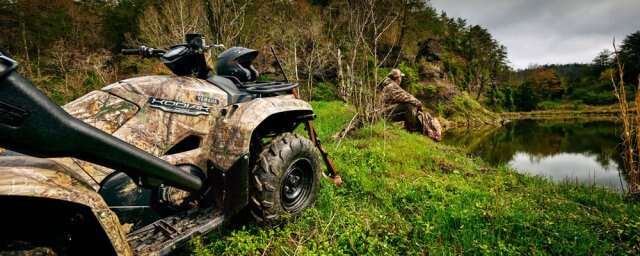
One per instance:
(234, 94)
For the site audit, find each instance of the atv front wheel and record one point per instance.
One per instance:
(285, 179)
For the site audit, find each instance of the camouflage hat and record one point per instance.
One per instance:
(395, 73)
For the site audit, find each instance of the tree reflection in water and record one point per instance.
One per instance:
(577, 149)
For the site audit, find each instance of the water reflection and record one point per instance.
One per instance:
(586, 151)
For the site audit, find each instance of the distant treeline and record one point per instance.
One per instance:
(549, 86)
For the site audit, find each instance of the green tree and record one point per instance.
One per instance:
(526, 97)
(120, 18)
(603, 59)
(630, 55)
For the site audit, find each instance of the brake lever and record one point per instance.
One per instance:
(147, 52)
(215, 46)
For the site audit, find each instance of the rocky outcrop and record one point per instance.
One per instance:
(429, 50)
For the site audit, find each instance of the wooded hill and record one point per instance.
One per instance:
(336, 49)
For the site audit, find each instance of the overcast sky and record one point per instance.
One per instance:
(549, 31)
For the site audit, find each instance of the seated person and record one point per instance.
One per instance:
(399, 105)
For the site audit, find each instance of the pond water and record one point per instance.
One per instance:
(588, 152)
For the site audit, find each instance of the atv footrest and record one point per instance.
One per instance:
(163, 236)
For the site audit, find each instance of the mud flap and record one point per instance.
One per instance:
(230, 189)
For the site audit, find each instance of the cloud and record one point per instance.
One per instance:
(549, 31)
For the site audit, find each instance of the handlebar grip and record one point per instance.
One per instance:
(131, 52)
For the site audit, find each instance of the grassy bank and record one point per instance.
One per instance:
(587, 112)
(462, 110)
(404, 194)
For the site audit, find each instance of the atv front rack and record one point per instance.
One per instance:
(269, 87)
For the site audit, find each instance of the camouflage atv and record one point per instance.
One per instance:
(144, 164)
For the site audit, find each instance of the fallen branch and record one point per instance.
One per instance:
(343, 132)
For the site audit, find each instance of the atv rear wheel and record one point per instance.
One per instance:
(285, 179)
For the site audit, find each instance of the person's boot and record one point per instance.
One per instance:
(412, 121)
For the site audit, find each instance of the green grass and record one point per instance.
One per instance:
(405, 194)
(464, 110)
(332, 117)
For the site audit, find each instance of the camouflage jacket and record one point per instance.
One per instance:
(393, 94)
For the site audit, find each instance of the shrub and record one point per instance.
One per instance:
(324, 92)
(577, 105)
(546, 105)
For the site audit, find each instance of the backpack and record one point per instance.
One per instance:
(430, 126)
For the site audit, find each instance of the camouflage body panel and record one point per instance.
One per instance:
(150, 129)
(156, 131)
(232, 135)
(96, 172)
(102, 110)
(178, 88)
(36, 177)
(191, 157)
(105, 112)
(73, 167)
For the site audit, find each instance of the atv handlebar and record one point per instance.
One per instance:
(145, 52)
(130, 52)
(182, 59)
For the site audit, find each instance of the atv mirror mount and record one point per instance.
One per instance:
(195, 41)
(10, 64)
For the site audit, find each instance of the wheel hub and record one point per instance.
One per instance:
(292, 187)
(297, 185)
